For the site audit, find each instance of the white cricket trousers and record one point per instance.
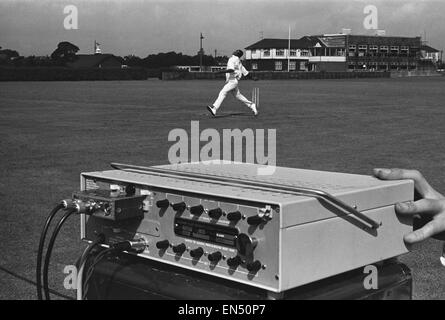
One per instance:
(232, 87)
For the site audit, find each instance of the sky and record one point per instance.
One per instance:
(123, 27)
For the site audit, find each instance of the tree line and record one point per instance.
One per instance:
(67, 52)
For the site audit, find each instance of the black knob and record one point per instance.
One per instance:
(180, 206)
(179, 249)
(234, 262)
(234, 216)
(197, 210)
(215, 213)
(197, 253)
(254, 266)
(162, 244)
(255, 220)
(215, 257)
(162, 203)
(245, 244)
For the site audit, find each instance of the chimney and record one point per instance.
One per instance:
(380, 33)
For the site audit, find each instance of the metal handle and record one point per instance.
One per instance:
(300, 191)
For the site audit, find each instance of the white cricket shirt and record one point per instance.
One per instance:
(235, 64)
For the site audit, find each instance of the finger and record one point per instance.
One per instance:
(423, 206)
(420, 183)
(427, 231)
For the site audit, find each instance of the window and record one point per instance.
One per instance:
(280, 52)
(373, 50)
(303, 65)
(394, 50)
(293, 53)
(266, 53)
(254, 66)
(340, 52)
(278, 65)
(304, 53)
(404, 48)
(362, 47)
(293, 65)
(352, 48)
(383, 50)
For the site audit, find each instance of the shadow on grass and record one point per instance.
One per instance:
(234, 114)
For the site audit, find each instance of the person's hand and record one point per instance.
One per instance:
(431, 205)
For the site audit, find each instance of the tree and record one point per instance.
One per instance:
(7, 55)
(133, 61)
(168, 59)
(65, 52)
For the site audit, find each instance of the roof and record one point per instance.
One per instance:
(337, 41)
(303, 43)
(332, 40)
(90, 60)
(428, 48)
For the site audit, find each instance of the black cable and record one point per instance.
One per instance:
(20, 277)
(49, 251)
(86, 254)
(100, 239)
(50, 217)
(91, 267)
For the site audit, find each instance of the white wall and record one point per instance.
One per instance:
(327, 59)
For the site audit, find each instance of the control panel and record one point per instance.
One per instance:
(196, 231)
(259, 233)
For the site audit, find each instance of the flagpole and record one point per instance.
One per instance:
(288, 53)
(200, 52)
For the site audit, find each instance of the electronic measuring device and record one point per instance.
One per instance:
(274, 232)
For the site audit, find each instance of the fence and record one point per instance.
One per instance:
(270, 75)
(70, 74)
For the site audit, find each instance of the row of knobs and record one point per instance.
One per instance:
(214, 257)
(213, 213)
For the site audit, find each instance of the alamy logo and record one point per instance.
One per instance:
(70, 281)
(71, 20)
(231, 139)
(371, 280)
(371, 21)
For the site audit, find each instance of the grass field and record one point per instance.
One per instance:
(52, 131)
